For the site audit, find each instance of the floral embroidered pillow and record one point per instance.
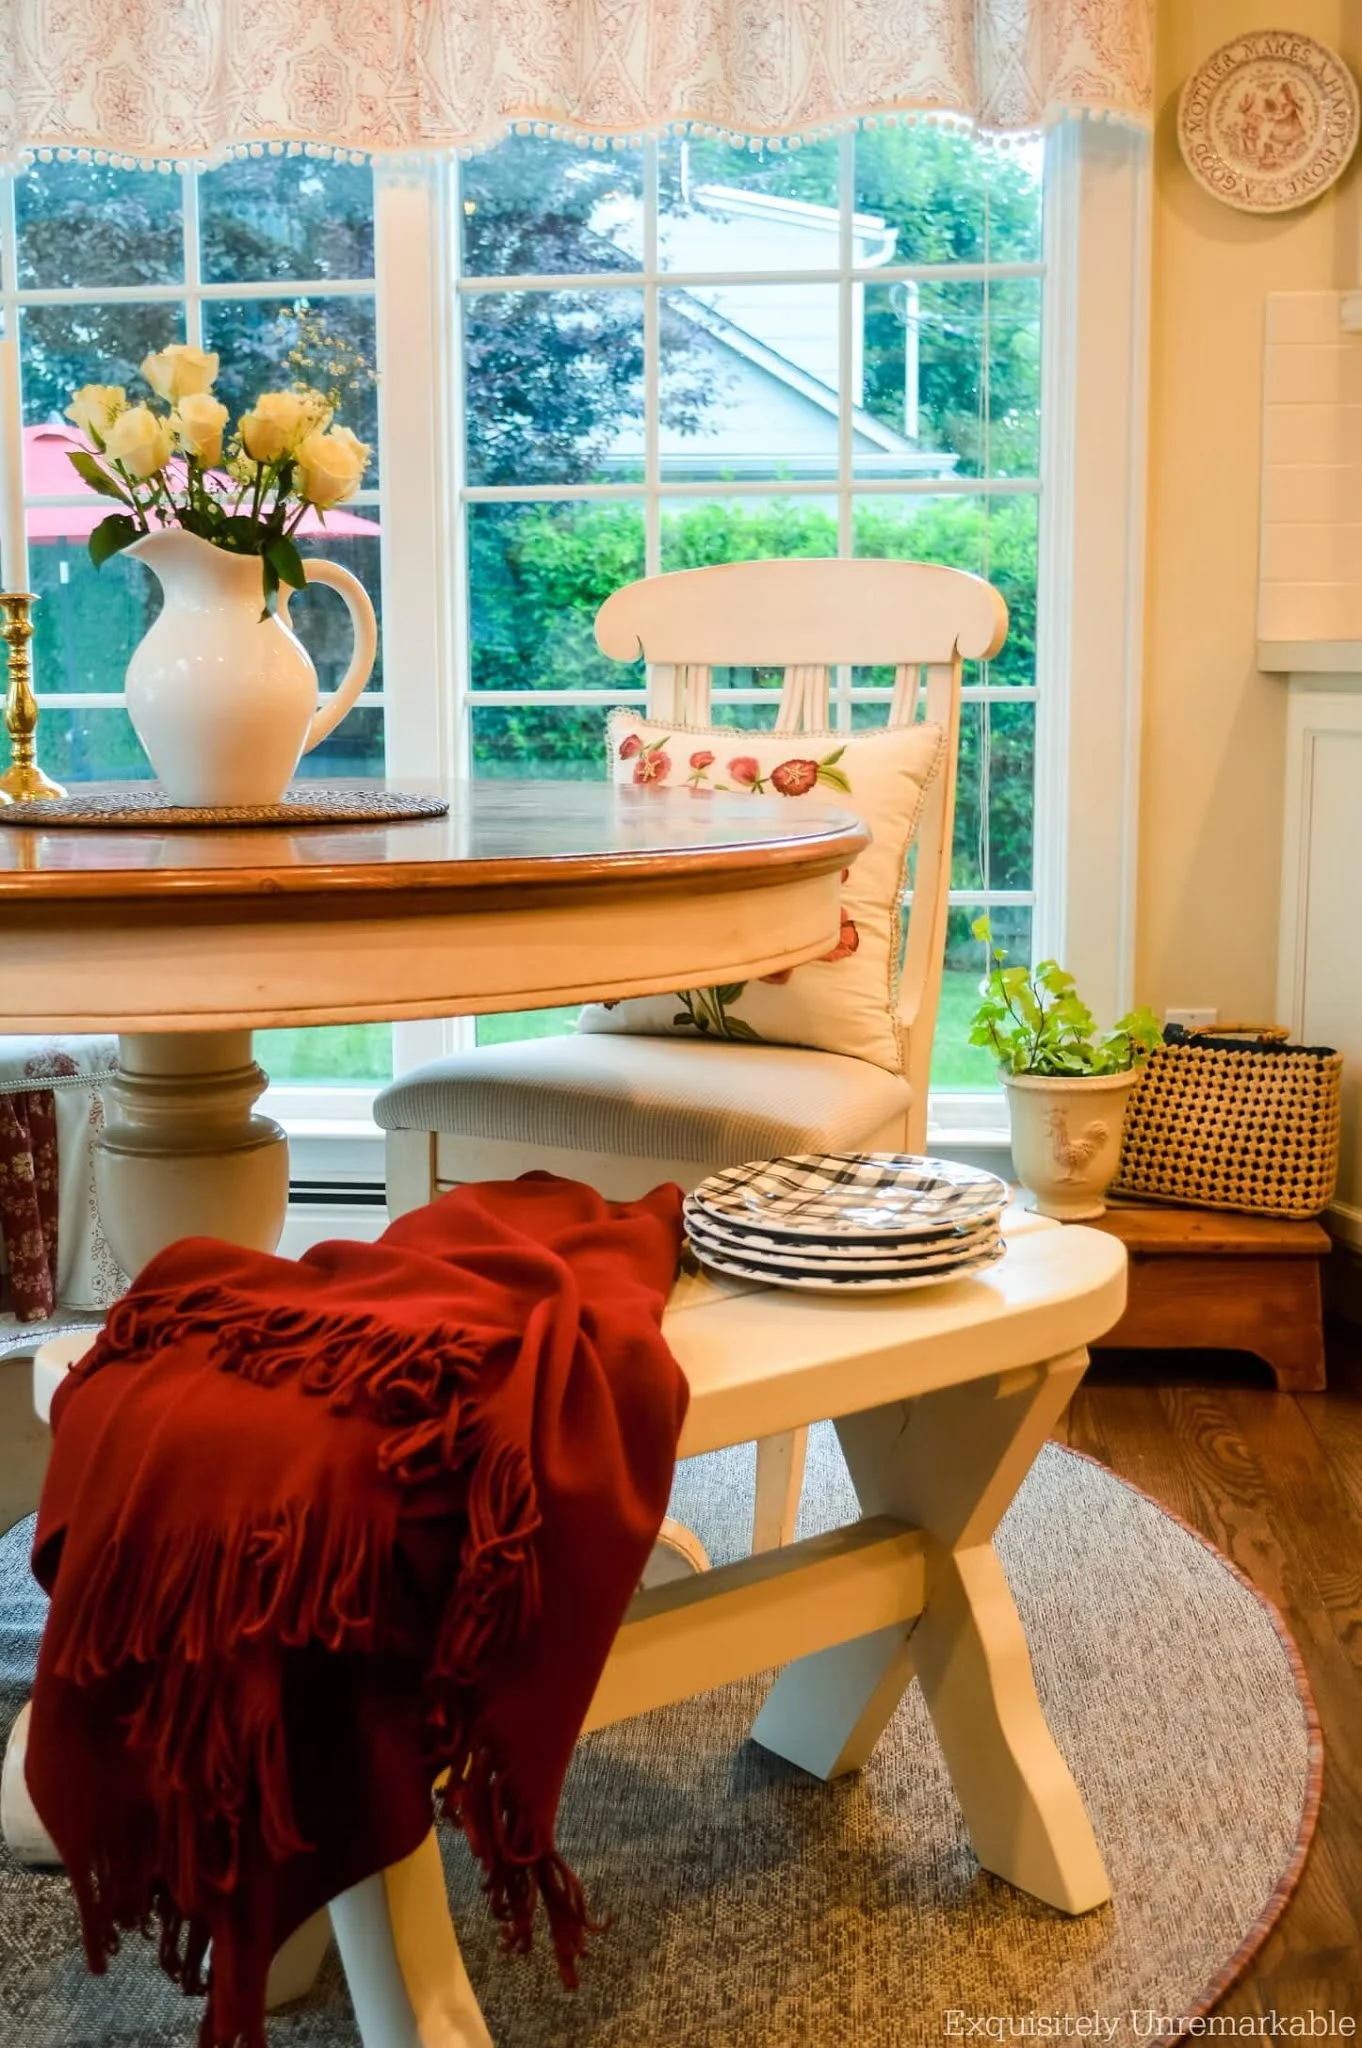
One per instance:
(844, 1002)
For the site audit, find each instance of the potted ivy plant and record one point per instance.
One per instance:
(1066, 1085)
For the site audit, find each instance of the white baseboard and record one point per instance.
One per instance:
(310, 1223)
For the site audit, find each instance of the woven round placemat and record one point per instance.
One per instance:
(312, 804)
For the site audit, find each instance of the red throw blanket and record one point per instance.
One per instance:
(316, 1532)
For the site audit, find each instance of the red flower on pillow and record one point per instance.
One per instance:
(629, 746)
(653, 766)
(746, 771)
(794, 778)
(701, 760)
(797, 778)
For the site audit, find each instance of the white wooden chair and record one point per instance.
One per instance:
(677, 1109)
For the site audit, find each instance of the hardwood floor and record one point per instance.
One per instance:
(1275, 1480)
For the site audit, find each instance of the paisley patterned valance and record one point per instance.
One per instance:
(187, 79)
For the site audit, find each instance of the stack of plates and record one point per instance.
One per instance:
(848, 1222)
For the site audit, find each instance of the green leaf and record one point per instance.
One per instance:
(98, 479)
(730, 992)
(271, 582)
(735, 1027)
(834, 779)
(286, 561)
(119, 530)
(981, 928)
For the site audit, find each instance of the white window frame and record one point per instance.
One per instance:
(1090, 604)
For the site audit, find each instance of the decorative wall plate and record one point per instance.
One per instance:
(1269, 121)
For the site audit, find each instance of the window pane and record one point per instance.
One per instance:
(969, 857)
(733, 208)
(64, 347)
(319, 616)
(517, 1024)
(537, 575)
(699, 532)
(253, 337)
(749, 381)
(535, 206)
(956, 1064)
(554, 387)
(89, 224)
(77, 744)
(88, 621)
(1011, 794)
(950, 198)
(342, 1053)
(994, 537)
(993, 809)
(951, 379)
(355, 748)
(267, 217)
(539, 742)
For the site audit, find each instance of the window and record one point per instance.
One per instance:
(101, 266)
(651, 358)
(692, 353)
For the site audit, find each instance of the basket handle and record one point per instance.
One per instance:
(1270, 1034)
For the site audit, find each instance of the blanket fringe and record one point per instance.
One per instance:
(200, 1604)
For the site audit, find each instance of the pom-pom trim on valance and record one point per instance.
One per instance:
(29, 154)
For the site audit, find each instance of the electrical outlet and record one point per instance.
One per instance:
(1191, 1020)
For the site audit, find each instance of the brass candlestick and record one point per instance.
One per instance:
(23, 780)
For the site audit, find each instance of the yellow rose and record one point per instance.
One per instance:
(140, 441)
(197, 422)
(330, 467)
(179, 371)
(280, 421)
(94, 406)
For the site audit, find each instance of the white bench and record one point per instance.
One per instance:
(942, 1400)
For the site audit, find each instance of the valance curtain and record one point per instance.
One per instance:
(172, 79)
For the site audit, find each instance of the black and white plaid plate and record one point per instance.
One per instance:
(851, 1195)
(871, 1259)
(847, 1280)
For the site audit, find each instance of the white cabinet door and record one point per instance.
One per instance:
(1320, 984)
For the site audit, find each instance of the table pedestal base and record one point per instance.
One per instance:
(184, 1154)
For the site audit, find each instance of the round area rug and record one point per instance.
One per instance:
(754, 1907)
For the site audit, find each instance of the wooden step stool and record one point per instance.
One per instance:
(1208, 1280)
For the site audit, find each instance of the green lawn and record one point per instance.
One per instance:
(363, 1052)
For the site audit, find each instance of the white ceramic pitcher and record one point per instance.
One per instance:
(223, 700)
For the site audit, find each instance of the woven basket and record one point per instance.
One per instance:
(1240, 1120)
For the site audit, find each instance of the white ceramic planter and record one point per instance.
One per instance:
(223, 701)
(1066, 1139)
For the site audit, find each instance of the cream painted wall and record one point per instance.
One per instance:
(1214, 728)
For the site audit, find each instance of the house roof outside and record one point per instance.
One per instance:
(772, 349)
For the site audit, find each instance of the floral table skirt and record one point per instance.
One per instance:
(53, 1252)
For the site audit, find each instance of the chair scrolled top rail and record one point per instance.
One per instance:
(822, 611)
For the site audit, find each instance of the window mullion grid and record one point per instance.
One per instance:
(193, 266)
(9, 280)
(460, 1033)
(652, 369)
(630, 280)
(846, 306)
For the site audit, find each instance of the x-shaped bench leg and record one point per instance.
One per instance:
(949, 1463)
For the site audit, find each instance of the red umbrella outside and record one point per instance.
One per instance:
(48, 474)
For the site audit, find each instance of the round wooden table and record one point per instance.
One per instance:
(524, 896)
